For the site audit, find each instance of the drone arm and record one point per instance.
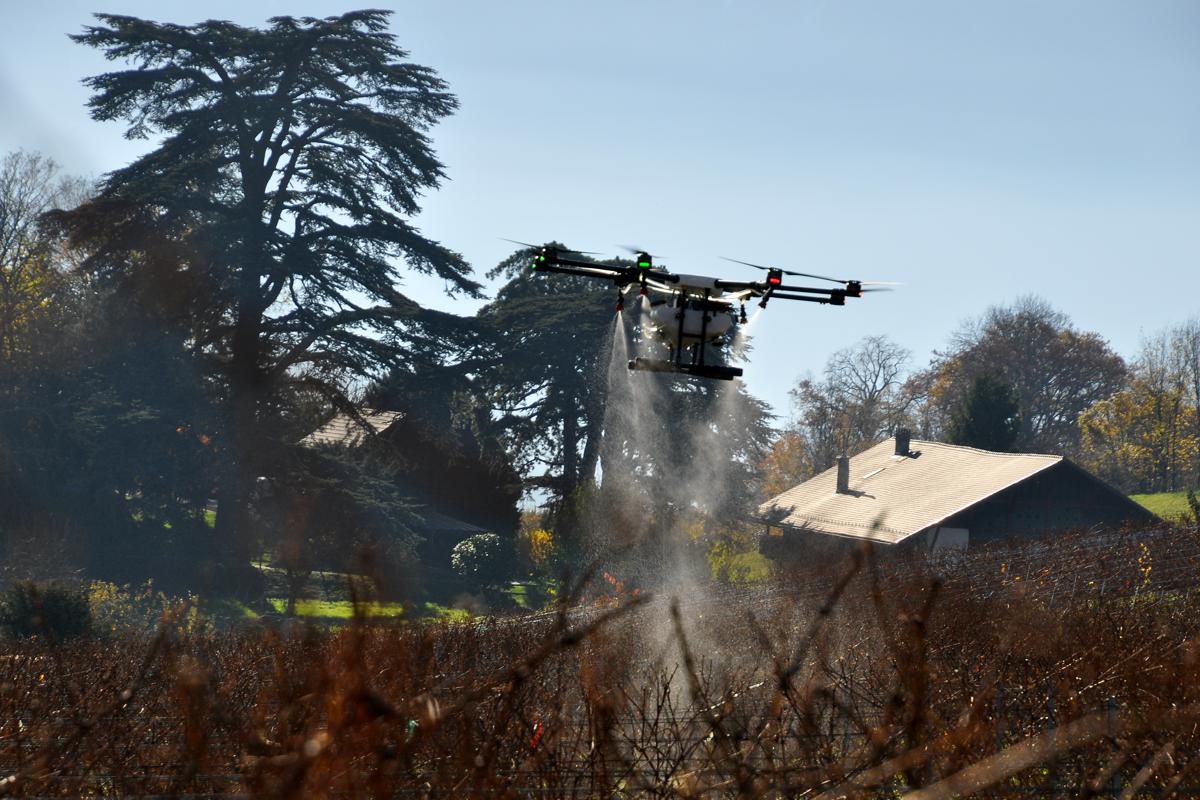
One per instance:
(836, 297)
(662, 287)
(572, 262)
(809, 290)
(589, 271)
(628, 274)
(759, 289)
(739, 286)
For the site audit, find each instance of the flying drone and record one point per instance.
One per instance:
(689, 311)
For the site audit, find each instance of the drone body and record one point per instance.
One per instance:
(691, 324)
(690, 311)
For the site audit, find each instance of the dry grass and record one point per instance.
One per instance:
(1068, 669)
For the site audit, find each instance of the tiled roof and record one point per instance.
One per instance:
(434, 521)
(893, 497)
(345, 430)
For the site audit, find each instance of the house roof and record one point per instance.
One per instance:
(892, 497)
(345, 430)
(437, 522)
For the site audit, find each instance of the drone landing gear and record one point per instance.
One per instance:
(713, 371)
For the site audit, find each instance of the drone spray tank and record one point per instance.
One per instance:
(696, 315)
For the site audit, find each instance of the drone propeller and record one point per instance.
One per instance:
(637, 251)
(818, 277)
(642, 257)
(563, 249)
(756, 266)
(514, 241)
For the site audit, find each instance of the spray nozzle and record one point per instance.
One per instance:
(742, 316)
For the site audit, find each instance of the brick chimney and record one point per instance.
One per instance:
(903, 436)
(843, 475)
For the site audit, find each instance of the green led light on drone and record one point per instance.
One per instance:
(644, 264)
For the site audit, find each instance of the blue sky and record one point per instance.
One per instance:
(975, 151)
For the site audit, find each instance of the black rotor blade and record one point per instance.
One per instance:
(785, 271)
(746, 263)
(523, 244)
(818, 277)
(846, 281)
(563, 249)
(633, 251)
(810, 275)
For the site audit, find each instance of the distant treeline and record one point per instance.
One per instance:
(1021, 378)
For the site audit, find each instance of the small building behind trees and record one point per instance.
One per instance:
(914, 493)
(455, 489)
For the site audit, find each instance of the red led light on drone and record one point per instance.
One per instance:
(775, 277)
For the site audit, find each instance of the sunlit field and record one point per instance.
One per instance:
(1168, 505)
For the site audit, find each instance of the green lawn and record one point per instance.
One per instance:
(343, 610)
(227, 610)
(1168, 505)
(530, 594)
(337, 609)
(444, 613)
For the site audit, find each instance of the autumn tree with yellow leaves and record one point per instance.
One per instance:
(31, 274)
(1146, 437)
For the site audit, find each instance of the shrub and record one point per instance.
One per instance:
(482, 558)
(44, 609)
(734, 557)
(538, 548)
(140, 609)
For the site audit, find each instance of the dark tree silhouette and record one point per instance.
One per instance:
(990, 416)
(445, 443)
(339, 508)
(290, 160)
(549, 387)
